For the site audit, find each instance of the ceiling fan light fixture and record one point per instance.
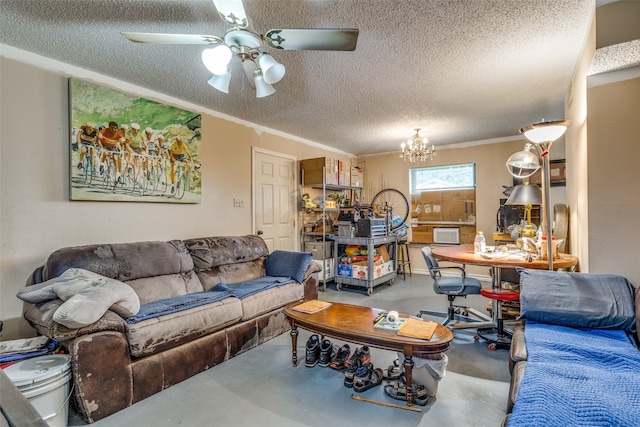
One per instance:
(262, 88)
(221, 81)
(272, 70)
(217, 58)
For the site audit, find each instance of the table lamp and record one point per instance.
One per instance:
(527, 195)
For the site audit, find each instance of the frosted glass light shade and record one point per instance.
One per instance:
(272, 70)
(217, 58)
(545, 131)
(221, 82)
(262, 88)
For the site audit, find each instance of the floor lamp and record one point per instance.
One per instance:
(525, 163)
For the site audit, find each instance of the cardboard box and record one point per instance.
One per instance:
(360, 270)
(311, 170)
(357, 177)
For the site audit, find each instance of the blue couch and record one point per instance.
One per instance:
(575, 361)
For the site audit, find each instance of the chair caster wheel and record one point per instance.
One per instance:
(492, 347)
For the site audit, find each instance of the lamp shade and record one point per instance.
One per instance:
(525, 194)
(216, 59)
(272, 70)
(221, 82)
(547, 131)
(262, 88)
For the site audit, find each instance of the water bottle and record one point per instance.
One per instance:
(479, 243)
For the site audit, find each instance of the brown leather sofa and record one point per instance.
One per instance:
(116, 363)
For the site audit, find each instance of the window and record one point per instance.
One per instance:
(438, 178)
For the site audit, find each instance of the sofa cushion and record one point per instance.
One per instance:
(159, 333)
(271, 299)
(227, 259)
(578, 300)
(288, 264)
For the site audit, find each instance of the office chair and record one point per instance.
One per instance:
(457, 316)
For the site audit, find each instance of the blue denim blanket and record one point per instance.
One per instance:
(251, 287)
(578, 377)
(175, 304)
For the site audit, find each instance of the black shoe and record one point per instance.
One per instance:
(313, 351)
(327, 351)
(341, 356)
(79, 165)
(350, 372)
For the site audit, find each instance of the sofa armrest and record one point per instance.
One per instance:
(310, 281)
(40, 316)
(518, 349)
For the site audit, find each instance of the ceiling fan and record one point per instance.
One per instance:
(241, 40)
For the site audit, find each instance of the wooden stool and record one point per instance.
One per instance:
(403, 259)
(497, 336)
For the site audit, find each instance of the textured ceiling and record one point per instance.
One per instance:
(465, 70)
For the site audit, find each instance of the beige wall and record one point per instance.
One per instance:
(389, 171)
(614, 178)
(36, 216)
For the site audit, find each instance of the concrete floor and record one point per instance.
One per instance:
(260, 387)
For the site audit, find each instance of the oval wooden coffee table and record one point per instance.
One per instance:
(354, 324)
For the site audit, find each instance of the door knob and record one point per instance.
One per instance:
(260, 233)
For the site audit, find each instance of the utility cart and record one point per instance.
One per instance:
(367, 274)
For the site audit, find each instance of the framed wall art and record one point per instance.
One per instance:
(557, 176)
(128, 148)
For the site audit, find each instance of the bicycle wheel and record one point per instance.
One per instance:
(394, 199)
(181, 183)
(87, 174)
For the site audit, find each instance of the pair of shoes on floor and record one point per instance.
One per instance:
(319, 352)
(361, 357)
(367, 377)
(397, 389)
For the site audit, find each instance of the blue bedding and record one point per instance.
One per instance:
(172, 305)
(251, 287)
(578, 377)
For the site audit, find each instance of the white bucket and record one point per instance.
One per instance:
(44, 381)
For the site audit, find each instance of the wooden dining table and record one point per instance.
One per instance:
(498, 260)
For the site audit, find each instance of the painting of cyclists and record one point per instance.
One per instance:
(131, 149)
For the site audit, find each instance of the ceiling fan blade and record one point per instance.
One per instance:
(313, 39)
(249, 67)
(232, 11)
(160, 38)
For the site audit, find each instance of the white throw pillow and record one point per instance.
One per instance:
(89, 295)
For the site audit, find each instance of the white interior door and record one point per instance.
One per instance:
(274, 195)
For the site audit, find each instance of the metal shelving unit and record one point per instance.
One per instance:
(328, 235)
(371, 243)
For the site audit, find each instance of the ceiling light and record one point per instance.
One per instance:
(272, 70)
(262, 88)
(221, 82)
(417, 149)
(216, 59)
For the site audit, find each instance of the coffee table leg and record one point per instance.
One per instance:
(408, 372)
(294, 343)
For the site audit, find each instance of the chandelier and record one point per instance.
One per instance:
(417, 149)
